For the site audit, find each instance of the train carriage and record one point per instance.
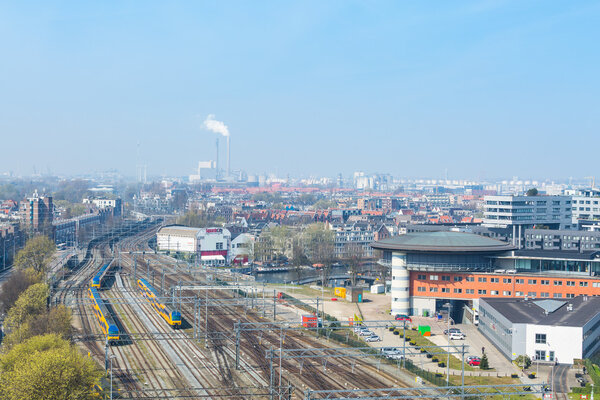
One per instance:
(105, 320)
(96, 281)
(172, 317)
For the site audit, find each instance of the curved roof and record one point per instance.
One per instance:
(442, 242)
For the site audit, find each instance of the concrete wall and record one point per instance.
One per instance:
(565, 341)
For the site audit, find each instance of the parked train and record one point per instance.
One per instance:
(96, 281)
(172, 317)
(106, 321)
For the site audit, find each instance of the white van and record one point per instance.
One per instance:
(456, 336)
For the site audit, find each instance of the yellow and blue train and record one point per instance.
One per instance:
(106, 321)
(172, 317)
(96, 281)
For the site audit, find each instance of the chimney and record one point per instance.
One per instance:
(228, 156)
(217, 174)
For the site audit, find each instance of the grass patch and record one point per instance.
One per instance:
(437, 352)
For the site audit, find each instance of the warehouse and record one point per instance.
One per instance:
(555, 331)
(178, 238)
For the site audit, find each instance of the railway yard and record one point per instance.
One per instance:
(208, 356)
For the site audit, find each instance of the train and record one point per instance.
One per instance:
(106, 321)
(172, 317)
(96, 281)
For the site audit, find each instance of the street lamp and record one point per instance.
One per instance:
(449, 307)
(111, 375)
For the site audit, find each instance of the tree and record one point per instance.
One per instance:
(484, 364)
(36, 254)
(199, 219)
(319, 245)
(280, 236)
(30, 303)
(47, 367)
(354, 256)
(18, 282)
(523, 361)
(532, 192)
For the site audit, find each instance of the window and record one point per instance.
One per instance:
(420, 289)
(506, 293)
(583, 283)
(470, 279)
(520, 281)
(482, 291)
(433, 289)
(507, 280)
(519, 294)
(494, 292)
(557, 295)
(433, 277)
(456, 290)
(540, 338)
(422, 277)
(545, 281)
(494, 280)
(532, 281)
(570, 295)
(557, 283)
(470, 291)
(531, 294)
(445, 278)
(482, 279)
(595, 284)
(445, 290)
(219, 245)
(570, 283)
(540, 354)
(544, 294)
(457, 278)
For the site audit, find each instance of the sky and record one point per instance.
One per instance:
(480, 89)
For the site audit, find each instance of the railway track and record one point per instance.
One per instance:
(336, 376)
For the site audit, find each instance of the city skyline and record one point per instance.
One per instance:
(486, 90)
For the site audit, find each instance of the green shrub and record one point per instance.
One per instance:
(485, 364)
(423, 351)
(514, 376)
(435, 359)
(397, 333)
(412, 342)
(429, 355)
(438, 375)
(441, 364)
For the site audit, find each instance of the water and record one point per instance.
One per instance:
(295, 275)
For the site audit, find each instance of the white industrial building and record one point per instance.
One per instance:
(545, 330)
(212, 245)
(178, 238)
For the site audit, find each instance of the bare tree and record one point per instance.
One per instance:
(319, 242)
(354, 256)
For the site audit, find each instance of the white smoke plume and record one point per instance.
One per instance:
(213, 125)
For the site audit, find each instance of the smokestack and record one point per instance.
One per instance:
(228, 156)
(217, 174)
(219, 127)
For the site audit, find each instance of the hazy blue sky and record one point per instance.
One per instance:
(482, 88)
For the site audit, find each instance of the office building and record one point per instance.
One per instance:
(37, 212)
(545, 330)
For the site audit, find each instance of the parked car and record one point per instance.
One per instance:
(403, 317)
(456, 336)
(395, 356)
(372, 338)
(451, 330)
(366, 332)
(474, 361)
(469, 358)
(388, 351)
